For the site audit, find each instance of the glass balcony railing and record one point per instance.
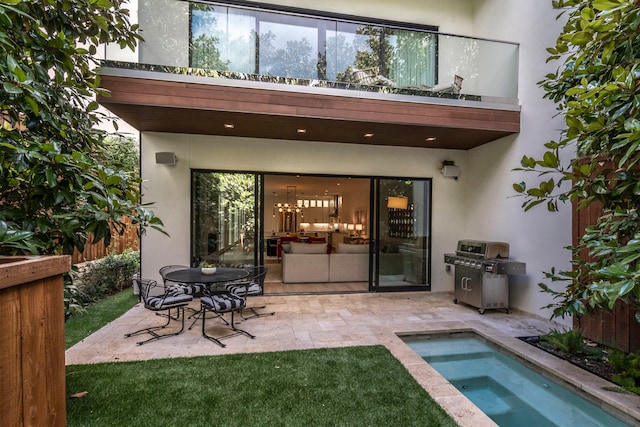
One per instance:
(216, 40)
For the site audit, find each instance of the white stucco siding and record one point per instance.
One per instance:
(168, 187)
(480, 204)
(537, 237)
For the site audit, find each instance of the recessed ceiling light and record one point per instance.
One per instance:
(301, 130)
(368, 135)
(229, 126)
(430, 139)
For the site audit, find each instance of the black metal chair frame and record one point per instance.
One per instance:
(169, 268)
(164, 302)
(219, 314)
(257, 276)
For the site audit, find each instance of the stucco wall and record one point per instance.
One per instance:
(169, 186)
(538, 236)
(477, 205)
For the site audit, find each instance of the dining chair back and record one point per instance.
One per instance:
(253, 285)
(160, 302)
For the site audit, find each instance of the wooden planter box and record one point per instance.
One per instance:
(32, 366)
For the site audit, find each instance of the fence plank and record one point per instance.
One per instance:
(119, 244)
(617, 329)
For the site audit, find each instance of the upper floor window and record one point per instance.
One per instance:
(296, 46)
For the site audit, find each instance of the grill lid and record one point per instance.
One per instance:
(482, 249)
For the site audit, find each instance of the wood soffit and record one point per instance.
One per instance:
(192, 108)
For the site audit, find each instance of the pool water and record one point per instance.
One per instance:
(510, 393)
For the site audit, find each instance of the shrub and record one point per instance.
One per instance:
(627, 367)
(72, 298)
(107, 276)
(568, 341)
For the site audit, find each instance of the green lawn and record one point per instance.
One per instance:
(81, 326)
(354, 386)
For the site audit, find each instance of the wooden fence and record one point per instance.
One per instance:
(618, 329)
(119, 244)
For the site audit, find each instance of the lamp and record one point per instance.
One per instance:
(398, 202)
(290, 207)
(351, 228)
(359, 228)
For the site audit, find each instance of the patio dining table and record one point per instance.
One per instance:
(195, 275)
(220, 276)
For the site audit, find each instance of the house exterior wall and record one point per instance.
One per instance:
(537, 236)
(168, 187)
(478, 205)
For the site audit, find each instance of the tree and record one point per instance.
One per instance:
(55, 187)
(596, 89)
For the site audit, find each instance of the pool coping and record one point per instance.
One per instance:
(465, 413)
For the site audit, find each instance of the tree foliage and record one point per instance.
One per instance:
(596, 89)
(54, 184)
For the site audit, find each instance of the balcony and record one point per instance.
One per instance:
(204, 65)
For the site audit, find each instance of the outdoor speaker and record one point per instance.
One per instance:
(166, 158)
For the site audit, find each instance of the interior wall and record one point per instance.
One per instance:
(452, 16)
(537, 237)
(168, 187)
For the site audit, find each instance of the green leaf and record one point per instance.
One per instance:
(632, 125)
(606, 4)
(550, 160)
(532, 204)
(11, 88)
(519, 188)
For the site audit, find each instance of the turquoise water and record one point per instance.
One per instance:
(506, 390)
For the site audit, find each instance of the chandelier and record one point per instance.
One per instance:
(289, 207)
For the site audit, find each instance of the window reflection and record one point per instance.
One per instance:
(269, 43)
(223, 222)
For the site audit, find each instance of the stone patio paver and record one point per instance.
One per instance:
(338, 320)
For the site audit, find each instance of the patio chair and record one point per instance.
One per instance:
(193, 289)
(160, 303)
(252, 286)
(175, 288)
(219, 303)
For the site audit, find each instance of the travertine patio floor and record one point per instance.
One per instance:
(336, 320)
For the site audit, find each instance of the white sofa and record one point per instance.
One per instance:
(309, 263)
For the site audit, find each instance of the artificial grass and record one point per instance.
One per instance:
(82, 325)
(351, 386)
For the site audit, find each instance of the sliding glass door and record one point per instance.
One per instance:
(225, 218)
(401, 231)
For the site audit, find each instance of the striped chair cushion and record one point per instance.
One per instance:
(223, 302)
(195, 289)
(159, 302)
(240, 288)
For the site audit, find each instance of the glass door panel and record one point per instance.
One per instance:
(402, 227)
(224, 221)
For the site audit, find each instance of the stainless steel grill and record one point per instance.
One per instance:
(482, 272)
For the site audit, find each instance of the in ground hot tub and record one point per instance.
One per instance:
(508, 391)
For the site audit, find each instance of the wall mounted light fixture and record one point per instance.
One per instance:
(450, 170)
